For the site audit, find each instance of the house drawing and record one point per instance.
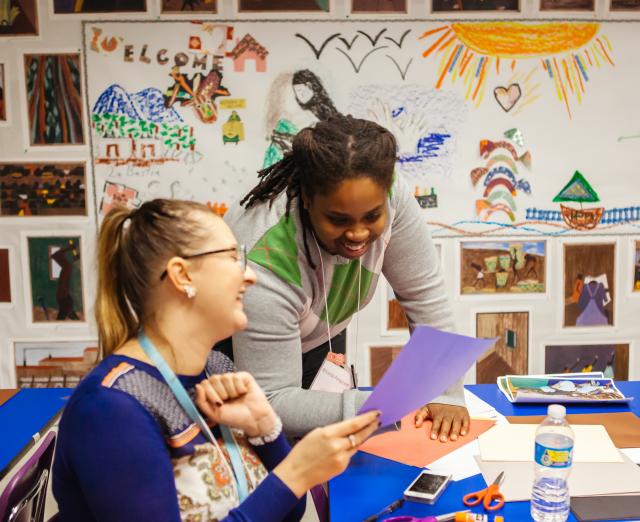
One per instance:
(248, 49)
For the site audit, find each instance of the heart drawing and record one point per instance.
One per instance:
(507, 97)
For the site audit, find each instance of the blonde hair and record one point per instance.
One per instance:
(133, 246)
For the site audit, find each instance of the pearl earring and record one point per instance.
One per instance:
(190, 291)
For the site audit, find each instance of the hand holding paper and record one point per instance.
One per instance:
(427, 366)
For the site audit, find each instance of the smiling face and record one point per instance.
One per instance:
(220, 281)
(348, 219)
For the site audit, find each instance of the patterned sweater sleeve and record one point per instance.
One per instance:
(412, 267)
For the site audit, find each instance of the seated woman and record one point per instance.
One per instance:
(131, 444)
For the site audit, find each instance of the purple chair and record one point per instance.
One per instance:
(321, 502)
(24, 497)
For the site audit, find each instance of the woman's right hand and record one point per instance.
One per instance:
(325, 452)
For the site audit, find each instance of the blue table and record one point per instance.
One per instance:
(24, 418)
(371, 483)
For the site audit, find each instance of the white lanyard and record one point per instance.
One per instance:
(354, 376)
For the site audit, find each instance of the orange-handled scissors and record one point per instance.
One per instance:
(487, 496)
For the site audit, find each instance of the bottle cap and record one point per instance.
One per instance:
(557, 411)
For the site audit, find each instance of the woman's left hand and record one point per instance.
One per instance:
(448, 421)
(236, 400)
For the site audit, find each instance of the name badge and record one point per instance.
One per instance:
(332, 377)
(337, 358)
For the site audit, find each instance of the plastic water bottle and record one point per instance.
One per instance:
(553, 456)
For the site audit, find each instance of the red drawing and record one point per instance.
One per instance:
(116, 194)
(200, 91)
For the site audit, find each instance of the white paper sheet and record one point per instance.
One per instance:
(586, 479)
(632, 453)
(479, 409)
(460, 464)
(515, 442)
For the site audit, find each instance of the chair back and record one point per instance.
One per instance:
(321, 502)
(24, 497)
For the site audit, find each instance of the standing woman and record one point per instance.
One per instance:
(132, 446)
(321, 226)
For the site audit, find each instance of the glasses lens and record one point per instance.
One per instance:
(242, 257)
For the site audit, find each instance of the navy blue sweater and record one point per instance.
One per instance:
(120, 437)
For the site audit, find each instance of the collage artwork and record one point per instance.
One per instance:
(192, 108)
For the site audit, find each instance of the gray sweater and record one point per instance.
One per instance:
(286, 308)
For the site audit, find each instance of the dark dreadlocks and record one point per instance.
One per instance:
(323, 156)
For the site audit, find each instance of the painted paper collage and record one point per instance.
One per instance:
(176, 111)
(518, 139)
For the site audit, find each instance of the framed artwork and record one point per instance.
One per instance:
(612, 359)
(3, 96)
(55, 275)
(567, 5)
(283, 5)
(589, 284)
(5, 276)
(380, 358)
(43, 189)
(503, 267)
(53, 364)
(625, 5)
(54, 99)
(395, 320)
(636, 267)
(188, 6)
(99, 6)
(438, 6)
(18, 18)
(378, 6)
(510, 354)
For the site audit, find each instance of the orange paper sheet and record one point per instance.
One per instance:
(412, 446)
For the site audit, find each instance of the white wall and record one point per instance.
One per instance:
(551, 156)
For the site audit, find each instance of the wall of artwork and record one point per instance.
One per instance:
(520, 150)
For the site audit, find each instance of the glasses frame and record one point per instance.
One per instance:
(240, 250)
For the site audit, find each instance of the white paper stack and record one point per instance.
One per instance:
(599, 468)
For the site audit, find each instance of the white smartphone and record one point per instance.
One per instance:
(427, 487)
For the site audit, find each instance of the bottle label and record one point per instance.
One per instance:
(554, 457)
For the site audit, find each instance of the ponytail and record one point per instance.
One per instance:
(116, 321)
(132, 248)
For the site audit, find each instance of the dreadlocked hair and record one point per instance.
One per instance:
(322, 157)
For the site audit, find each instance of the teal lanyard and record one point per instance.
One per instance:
(190, 409)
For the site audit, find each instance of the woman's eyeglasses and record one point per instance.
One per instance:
(241, 256)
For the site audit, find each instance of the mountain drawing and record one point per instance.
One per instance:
(147, 104)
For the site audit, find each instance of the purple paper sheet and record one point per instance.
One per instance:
(427, 366)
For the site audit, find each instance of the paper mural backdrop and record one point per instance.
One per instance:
(54, 99)
(636, 267)
(18, 18)
(42, 189)
(193, 110)
(3, 95)
(5, 276)
(99, 6)
(55, 276)
(589, 284)
(510, 354)
(502, 267)
(611, 359)
(188, 6)
(53, 364)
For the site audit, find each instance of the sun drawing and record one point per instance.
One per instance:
(566, 51)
